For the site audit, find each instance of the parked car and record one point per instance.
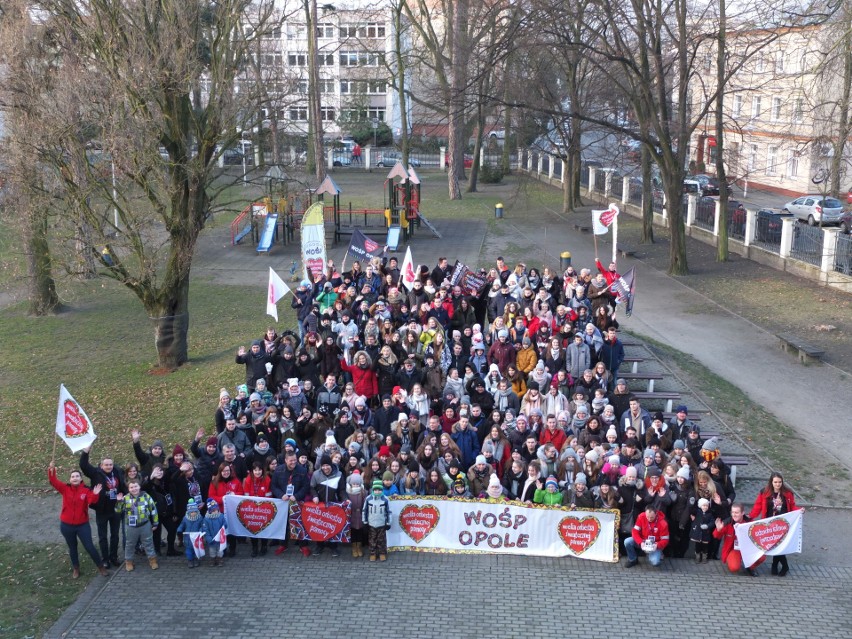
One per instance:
(341, 158)
(709, 184)
(815, 208)
(846, 222)
(389, 158)
(769, 226)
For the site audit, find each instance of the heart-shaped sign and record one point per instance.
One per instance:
(418, 521)
(370, 246)
(768, 534)
(76, 424)
(579, 534)
(323, 521)
(256, 515)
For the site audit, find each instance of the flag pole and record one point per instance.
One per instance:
(614, 238)
(595, 236)
(53, 454)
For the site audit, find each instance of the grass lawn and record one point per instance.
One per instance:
(36, 586)
(102, 350)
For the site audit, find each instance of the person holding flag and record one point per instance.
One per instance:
(775, 499)
(215, 533)
(192, 523)
(74, 517)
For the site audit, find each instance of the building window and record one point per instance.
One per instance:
(275, 58)
(274, 33)
(798, 110)
(363, 115)
(348, 31)
(327, 114)
(755, 108)
(299, 114)
(372, 30)
(771, 160)
(776, 109)
(325, 31)
(325, 59)
(793, 164)
(302, 86)
(349, 58)
(752, 157)
(761, 63)
(297, 31)
(370, 87)
(779, 62)
(326, 86)
(297, 59)
(738, 105)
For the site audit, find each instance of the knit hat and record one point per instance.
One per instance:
(681, 409)
(212, 441)
(290, 442)
(551, 481)
(658, 416)
(648, 454)
(459, 482)
(413, 466)
(581, 408)
(191, 506)
(405, 449)
(533, 385)
(223, 392)
(384, 450)
(611, 432)
(325, 460)
(211, 504)
(502, 333)
(703, 502)
(330, 440)
(387, 476)
(178, 450)
(678, 443)
(377, 485)
(621, 380)
(402, 418)
(454, 463)
(355, 447)
(579, 479)
(593, 456)
(254, 397)
(355, 479)
(242, 388)
(683, 471)
(614, 460)
(480, 459)
(257, 342)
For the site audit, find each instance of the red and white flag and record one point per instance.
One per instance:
(779, 535)
(197, 539)
(277, 289)
(72, 424)
(222, 538)
(407, 273)
(601, 220)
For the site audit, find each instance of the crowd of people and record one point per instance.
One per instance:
(509, 392)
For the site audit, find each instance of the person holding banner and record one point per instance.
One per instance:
(74, 517)
(775, 499)
(731, 555)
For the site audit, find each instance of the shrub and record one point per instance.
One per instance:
(490, 174)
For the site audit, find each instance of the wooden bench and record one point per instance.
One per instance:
(651, 377)
(734, 461)
(667, 396)
(634, 361)
(581, 228)
(626, 252)
(793, 344)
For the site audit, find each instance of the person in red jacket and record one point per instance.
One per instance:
(775, 499)
(731, 555)
(552, 434)
(363, 376)
(257, 484)
(502, 352)
(650, 534)
(74, 517)
(224, 483)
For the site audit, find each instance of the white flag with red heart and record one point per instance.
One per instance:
(72, 424)
(407, 272)
(197, 539)
(602, 220)
(222, 538)
(277, 289)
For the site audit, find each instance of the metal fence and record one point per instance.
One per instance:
(737, 224)
(767, 233)
(843, 255)
(634, 193)
(807, 244)
(600, 181)
(705, 214)
(617, 187)
(657, 202)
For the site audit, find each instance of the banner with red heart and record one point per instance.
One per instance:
(768, 534)
(256, 516)
(579, 534)
(76, 424)
(419, 521)
(320, 522)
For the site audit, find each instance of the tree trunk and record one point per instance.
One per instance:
(844, 127)
(721, 53)
(84, 249)
(477, 147)
(677, 248)
(42, 296)
(647, 199)
(458, 80)
(170, 316)
(399, 81)
(314, 97)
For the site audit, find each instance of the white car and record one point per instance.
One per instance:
(815, 209)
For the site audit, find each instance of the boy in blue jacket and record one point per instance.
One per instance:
(375, 514)
(214, 521)
(192, 522)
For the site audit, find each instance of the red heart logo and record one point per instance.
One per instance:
(76, 425)
(256, 515)
(768, 534)
(370, 246)
(418, 521)
(322, 522)
(579, 534)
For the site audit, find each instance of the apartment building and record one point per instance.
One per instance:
(781, 108)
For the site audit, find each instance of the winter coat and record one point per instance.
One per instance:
(577, 359)
(468, 444)
(112, 483)
(75, 500)
(255, 364)
(702, 526)
(527, 358)
(232, 486)
(328, 488)
(364, 379)
(658, 529)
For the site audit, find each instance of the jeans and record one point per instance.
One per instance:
(135, 534)
(109, 547)
(631, 548)
(84, 533)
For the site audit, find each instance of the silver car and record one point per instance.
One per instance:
(815, 209)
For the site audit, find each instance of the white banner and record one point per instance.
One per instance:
(435, 524)
(779, 535)
(197, 539)
(72, 424)
(313, 241)
(406, 274)
(602, 220)
(258, 517)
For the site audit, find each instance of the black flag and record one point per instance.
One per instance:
(625, 289)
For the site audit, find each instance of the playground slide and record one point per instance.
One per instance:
(268, 233)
